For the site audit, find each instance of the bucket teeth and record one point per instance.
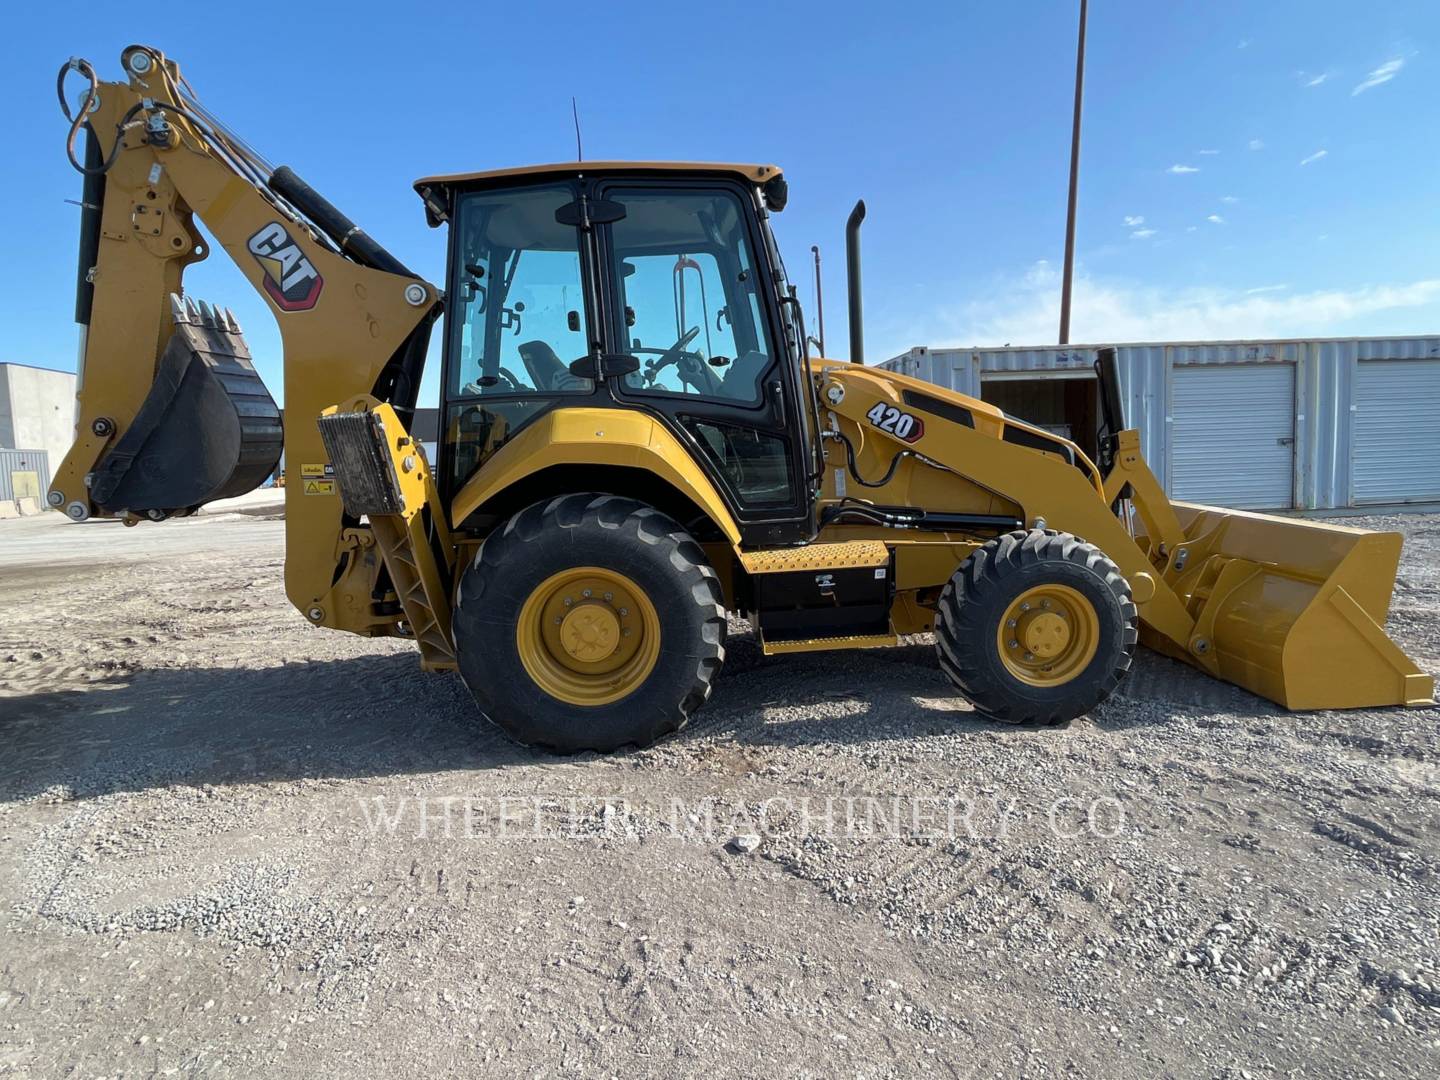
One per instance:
(199, 313)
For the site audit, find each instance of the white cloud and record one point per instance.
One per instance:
(1316, 80)
(1025, 312)
(1257, 144)
(1131, 220)
(1190, 228)
(1181, 170)
(1383, 74)
(1215, 219)
(1229, 200)
(1244, 43)
(1142, 234)
(1314, 157)
(1207, 153)
(1265, 288)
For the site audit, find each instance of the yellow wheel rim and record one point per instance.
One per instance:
(1048, 635)
(588, 636)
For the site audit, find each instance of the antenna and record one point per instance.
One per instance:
(575, 112)
(819, 301)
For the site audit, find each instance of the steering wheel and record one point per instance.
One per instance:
(689, 365)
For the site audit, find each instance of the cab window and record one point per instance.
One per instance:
(518, 298)
(686, 295)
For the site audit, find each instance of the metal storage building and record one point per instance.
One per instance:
(1298, 424)
(24, 474)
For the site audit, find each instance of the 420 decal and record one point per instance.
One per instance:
(892, 421)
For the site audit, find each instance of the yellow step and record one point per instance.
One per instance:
(845, 555)
(826, 644)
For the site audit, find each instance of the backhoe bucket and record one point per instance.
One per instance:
(208, 429)
(1290, 609)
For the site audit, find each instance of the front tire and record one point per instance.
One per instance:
(1036, 626)
(590, 622)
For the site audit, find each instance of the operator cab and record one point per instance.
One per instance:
(650, 287)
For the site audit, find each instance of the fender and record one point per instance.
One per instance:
(621, 437)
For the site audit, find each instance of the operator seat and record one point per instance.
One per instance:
(547, 371)
(742, 381)
(544, 367)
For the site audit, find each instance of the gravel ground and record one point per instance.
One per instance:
(225, 850)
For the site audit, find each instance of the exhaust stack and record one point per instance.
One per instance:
(852, 274)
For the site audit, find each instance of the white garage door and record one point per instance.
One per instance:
(1397, 431)
(1233, 435)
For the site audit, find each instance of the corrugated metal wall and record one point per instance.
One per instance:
(24, 462)
(1325, 378)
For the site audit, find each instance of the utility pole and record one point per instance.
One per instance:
(1074, 183)
(819, 301)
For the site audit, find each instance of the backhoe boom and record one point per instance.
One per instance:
(149, 354)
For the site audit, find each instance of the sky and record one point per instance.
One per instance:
(1248, 169)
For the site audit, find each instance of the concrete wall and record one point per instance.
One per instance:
(37, 410)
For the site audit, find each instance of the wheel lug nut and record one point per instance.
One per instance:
(609, 597)
(1024, 607)
(585, 593)
(1029, 656)
(1014, 644)
(1045, 603)
(568, 601)
(624, 611)
(1011, 623)
(558, 620)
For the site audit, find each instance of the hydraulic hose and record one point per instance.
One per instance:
(855, 472)
(77, 119)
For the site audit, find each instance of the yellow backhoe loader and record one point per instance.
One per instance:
(633, 442)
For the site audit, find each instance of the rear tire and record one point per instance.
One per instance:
(590, 622)
(1036, 626)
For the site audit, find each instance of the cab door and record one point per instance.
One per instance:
(684, 269)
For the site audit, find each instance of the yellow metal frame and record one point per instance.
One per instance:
(332, 351)
(755, 174)
(421, 578)
(1038, 486)
(1289, 609)
(591, 436)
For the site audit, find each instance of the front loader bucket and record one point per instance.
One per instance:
(208, 429)
(1290, 609)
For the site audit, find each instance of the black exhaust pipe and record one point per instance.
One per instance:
(852, 274)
